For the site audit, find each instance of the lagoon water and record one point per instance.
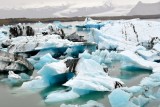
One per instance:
(12, 97)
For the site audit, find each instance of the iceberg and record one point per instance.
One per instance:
(91, 76)
(61, 96)
(13, 75)
(136, 30)
(130, 59)
(100, 56)
(88, 76)
(35, 84)
(14, 62)
(119, 98)
(140, 100)
(46, 59)
(90, 103)
(90, 23)
(54, 72)
(109, 42)
(134, 89)
(16, 79)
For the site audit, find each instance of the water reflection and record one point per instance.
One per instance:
(130, 76)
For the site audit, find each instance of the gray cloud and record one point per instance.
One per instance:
(40, 3)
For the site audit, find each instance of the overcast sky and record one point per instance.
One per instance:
(40, 3)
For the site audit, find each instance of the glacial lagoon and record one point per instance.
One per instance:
(10, 96)
(15, 97)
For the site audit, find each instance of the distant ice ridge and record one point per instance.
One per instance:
(109, 42)
(31, 43)
(126, 34)
(134, 30)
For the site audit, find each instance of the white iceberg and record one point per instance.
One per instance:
(35, 84)
(140, 100)
(133, 30)
(130, 59)
(39, 42)
(90, 103)
(61, 96)
(110, 42)
(91, 76)
(100, 56)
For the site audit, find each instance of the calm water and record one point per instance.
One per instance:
(11, 97)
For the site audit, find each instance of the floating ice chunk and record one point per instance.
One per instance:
(64, 105)
(129, 104)
(140, 100)
(13, 75)
(53, 69)
(61, 96)
(155, 76)
(46, 59)
(69, 52)
(37, 83)
(67, 95)
(156, 69)
(13, 79)
(111, 42)
(25, 77)
(85, 55)
(91, 76)
(150, 82)
(119, 98)
(134, 89)
(133, 60)
(16, 79)
(100, 56)
(90, 103)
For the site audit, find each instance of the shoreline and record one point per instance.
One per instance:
(9, 21)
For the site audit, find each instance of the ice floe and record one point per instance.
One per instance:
(90, 103)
